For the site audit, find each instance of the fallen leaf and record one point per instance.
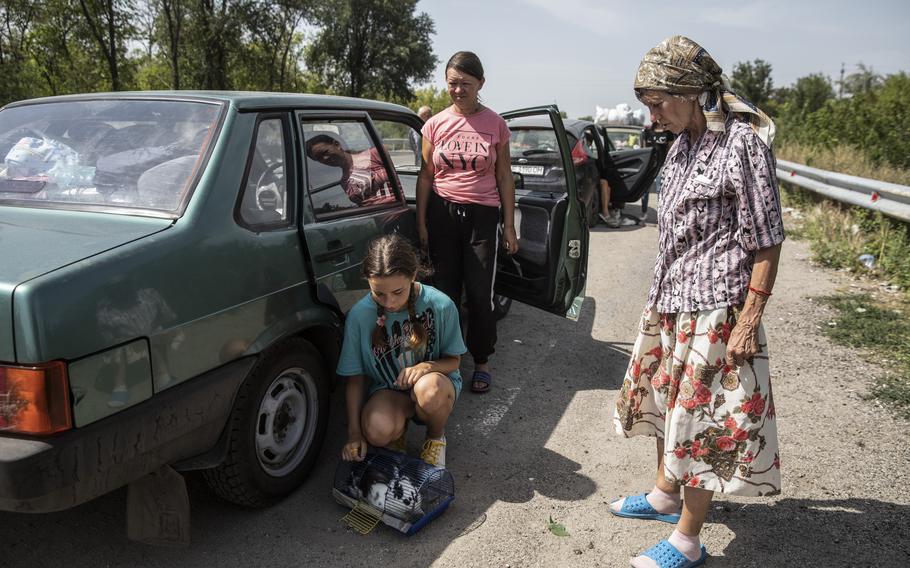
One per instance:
(557, 528)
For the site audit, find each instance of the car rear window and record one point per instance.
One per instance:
(119, 155)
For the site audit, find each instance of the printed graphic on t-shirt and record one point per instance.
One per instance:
(367, 182)
(389, 361)
(465, 150)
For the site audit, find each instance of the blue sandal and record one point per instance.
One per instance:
(667, 556)
(482, 377)
(637, 507)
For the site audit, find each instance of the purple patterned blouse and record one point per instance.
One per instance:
(719, 203)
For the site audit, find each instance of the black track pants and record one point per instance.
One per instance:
(463, 240)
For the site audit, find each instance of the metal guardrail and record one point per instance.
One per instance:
(890, 198)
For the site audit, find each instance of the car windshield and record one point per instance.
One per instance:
(120, 154)
(624, 139)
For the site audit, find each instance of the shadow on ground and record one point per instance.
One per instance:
(815, 533)
(496, 452)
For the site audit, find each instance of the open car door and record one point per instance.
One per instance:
(630, 172)
(550, 269)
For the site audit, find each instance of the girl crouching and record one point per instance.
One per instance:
(401, 353)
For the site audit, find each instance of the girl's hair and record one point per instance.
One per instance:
(466, 62)
(391, 255)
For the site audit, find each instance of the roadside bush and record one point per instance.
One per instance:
(875, 123)
(838, 234)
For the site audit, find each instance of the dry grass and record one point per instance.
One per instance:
(843, 159)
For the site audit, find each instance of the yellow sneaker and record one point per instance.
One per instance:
(400, 444)
(434, 452)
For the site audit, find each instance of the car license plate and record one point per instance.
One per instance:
(528, 170)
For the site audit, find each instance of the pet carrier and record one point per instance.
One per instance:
(403, 492)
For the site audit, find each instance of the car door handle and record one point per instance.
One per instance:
(336, 249)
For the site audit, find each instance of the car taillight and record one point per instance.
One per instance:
(35, 399)
(578, 154)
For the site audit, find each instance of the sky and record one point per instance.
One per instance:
(584, 53)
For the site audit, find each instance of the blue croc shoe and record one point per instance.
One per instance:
(637, 507)
(666, 556)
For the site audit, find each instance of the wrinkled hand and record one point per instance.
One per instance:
(743, 343)
(510, 240)
(355, 449)
(423, 236)
(409, 376)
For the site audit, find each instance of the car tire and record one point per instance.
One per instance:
(501, 306)
(276, 427)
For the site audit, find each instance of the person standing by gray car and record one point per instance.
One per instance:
(465, 200)
(698, 379)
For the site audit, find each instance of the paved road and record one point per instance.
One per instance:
(539, 445)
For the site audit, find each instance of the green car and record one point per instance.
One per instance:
(174, 274)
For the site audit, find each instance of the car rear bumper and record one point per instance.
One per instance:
(51, 474)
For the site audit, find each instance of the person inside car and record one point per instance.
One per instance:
(364, 177)
(610, 213)
(698, 380)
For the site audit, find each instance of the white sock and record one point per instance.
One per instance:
(664, 502)
(690, 546)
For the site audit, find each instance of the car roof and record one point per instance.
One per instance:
(242, 100)
(573, 126)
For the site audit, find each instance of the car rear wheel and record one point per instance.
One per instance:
(276, 427)
(501, 306)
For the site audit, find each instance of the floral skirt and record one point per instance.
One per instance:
(717, 422)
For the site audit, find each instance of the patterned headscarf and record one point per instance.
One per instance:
(679, 66)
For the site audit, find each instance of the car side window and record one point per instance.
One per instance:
(345, 170)
(264, 201)
(402, 143)
(589, 144)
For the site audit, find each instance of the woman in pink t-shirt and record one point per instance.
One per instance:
(465, 190)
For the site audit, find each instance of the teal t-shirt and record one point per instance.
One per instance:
(434, 310)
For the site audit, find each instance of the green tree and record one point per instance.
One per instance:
(436, 99)
(64, 53)
(213, 35)
(16, 19)
(372, 48)
(753, 81)
(864, 80)
(269, 59)
(109, 24)
(875, 122)
(809, 94)
(171, 15)
(587, 117)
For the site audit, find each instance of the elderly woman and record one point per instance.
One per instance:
(698, 380)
